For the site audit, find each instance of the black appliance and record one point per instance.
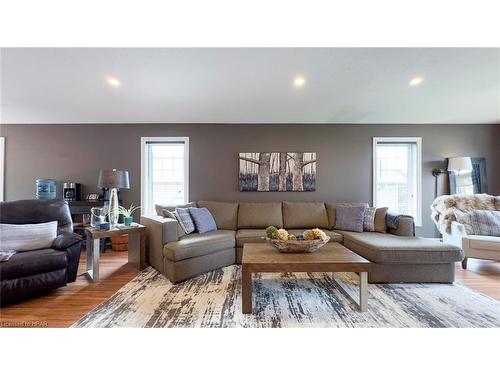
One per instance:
(71, 191)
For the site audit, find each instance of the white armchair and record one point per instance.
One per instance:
(474, 246)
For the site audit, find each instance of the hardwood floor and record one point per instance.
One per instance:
(482, 276)
(64, 306)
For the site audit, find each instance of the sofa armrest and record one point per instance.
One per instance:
(400, 225)
(65, 240)
(160, 231)
(165, 228)
(71, 243)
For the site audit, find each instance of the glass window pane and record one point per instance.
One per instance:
(165, 174)
(396, 172)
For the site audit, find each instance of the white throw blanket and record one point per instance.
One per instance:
(446, 207)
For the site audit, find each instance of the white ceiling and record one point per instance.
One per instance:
(171, 85)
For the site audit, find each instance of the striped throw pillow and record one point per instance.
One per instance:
(485, 223)
(185, 220)
(25, 237)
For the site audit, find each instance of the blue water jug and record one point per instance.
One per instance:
(46, 188)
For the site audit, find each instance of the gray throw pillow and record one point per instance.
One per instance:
(203, 219)
(185, 220)
(485, 223)
(349, 218)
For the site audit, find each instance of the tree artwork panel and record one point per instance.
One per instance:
(277, 171)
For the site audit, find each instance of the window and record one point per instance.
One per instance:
(164, 172)
(397, 174)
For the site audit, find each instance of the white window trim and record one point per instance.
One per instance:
(418, 141)
(2, 168)
(144, 141)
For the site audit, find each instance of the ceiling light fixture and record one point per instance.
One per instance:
(416, 81)
(113, 82)
(299, 81)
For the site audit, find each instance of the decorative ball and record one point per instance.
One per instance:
(282, 234)
(272, 232)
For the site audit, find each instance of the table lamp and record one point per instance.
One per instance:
(114, 180)
(459, 164)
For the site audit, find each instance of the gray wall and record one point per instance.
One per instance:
(344, 152)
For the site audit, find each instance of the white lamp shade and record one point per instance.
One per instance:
(460, 164)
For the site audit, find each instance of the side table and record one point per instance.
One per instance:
(136, 246)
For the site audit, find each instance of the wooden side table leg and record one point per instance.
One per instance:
(246, 290)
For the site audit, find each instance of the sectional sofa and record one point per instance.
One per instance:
(396, 253)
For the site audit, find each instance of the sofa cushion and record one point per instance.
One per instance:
(225, 213)
(29, 263)
(259, 215)
(244, 236)
(330, 211)
(197, 244)
(304, 215)
(334, 236)
(390, 249)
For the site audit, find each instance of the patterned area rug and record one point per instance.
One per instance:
(289, 300)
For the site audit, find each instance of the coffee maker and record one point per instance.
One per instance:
(71, 191)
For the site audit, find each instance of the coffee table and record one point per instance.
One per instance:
(332, 257)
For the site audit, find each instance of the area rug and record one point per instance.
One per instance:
(289, 300)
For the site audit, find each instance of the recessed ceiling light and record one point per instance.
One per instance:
(113, 82)
(416, 81)
(299, 81)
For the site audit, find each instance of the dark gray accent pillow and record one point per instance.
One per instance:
(203, 219)
(349, 218)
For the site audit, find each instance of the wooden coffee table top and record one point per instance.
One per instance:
(330, 253)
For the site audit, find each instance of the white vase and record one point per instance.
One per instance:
(113, 208)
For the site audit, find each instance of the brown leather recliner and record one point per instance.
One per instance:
(31, 272)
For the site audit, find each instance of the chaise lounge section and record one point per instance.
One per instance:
(397, 255)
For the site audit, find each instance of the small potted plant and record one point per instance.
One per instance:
(127, 214)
